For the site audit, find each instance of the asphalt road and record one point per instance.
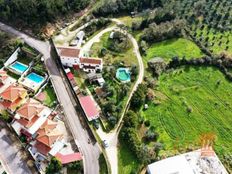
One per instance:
(90, 151)
(10, 154)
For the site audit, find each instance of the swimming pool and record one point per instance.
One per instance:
(35, 78)
(19, 67)
(123, 74)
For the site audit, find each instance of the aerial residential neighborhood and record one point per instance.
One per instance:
(115, 87)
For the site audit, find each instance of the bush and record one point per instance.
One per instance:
(131, 119)
(5, 116)
(138, 97)
(54, 166)
(147, 123)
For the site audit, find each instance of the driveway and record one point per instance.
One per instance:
(11, 155)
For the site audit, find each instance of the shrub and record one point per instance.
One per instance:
(147, 123)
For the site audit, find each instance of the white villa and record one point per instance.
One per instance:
(72, 57)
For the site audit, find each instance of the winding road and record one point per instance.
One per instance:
(90, 151)
(112, 137)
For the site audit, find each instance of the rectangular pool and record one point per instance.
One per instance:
(35, 78)
(19, 67)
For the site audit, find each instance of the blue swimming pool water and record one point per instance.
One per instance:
(123, 74)
(19, 67)
(35, 77)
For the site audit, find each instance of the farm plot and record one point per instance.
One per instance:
(198, 101)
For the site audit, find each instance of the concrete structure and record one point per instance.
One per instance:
(91, 64)
(5, 80)
(188, 163)
(71, 57)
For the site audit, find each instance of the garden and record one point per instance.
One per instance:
(47, 96)
(116, 52)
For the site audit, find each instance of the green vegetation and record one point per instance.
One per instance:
(113, 7)
(174, 47)
(116, 52)
(127, 162)
(208, 22)
(50, 95)
(8, 44)
(54, 166)
(4, 115)
(190, 102)
(37, 13)
(13, 75)
(102, 49)
(75, 167)
(103, 165)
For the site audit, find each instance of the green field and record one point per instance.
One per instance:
(190, 102)
(174, 47)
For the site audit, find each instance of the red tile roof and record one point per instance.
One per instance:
(91, 61)
(11, 105)
(65, 159)
(68, 52)
(47, 133)
(12, 93)
(70, 75)
(28, 123)
(41, 148)
(30, 109)
(89, 106)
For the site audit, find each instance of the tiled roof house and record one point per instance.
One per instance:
(12, 97)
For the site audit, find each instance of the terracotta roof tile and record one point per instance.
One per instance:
(47, 134)
(28, 123)
(13, 92)
(91, 61)
(68, 52)
(30, 109)
(41, 148)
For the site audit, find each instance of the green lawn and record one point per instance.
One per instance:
(128, 57)
(126, 160)
(204, 91)
(50, 96)
(174, 47)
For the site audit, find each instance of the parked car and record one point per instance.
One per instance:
(96, 124)
(105, 144)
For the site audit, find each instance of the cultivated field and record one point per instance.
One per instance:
(190, 102)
